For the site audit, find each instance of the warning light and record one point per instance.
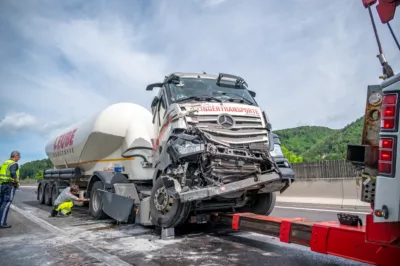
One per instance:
(390, 99)
(386, 143)
(389, 112)
(386, 158)
(384, 212)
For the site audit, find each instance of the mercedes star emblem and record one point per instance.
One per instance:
(226, 121)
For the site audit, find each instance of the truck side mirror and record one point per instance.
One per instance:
(150, 87)
(155, 101)
(252, 93)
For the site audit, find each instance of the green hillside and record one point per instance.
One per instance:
(321, 143)
(300, 139)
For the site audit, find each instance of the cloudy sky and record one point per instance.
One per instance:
(309, 61)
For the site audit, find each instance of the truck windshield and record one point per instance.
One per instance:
(198, 89)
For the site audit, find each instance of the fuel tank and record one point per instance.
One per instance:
(97, 143)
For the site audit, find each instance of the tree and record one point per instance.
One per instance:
(31, 169)
(290, 156)
(39, 175)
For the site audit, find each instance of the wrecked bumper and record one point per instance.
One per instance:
(287, 173)
(175, 190)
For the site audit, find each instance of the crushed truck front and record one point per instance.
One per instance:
(213, 149)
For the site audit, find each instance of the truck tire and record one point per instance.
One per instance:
(54, 192)
(173, 213)
(264, 204)
(95, 204)
(41, 194)
(47, 195)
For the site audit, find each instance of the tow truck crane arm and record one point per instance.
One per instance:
(385, 8)
(378, 241)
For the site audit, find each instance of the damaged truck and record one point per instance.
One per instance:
(206, 146)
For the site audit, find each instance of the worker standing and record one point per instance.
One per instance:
(9, 182)
(64, 202)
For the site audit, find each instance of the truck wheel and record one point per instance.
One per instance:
(47, 195)
(263, 205)
(95, 204)
(54, 192)
(41, 194)
(165, 211)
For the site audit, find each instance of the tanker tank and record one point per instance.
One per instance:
(96, 143)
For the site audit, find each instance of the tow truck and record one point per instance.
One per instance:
(378, 167)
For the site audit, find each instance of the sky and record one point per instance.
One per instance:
(309, 61)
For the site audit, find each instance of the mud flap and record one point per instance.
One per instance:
(116, 206)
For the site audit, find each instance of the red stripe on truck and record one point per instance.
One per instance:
(162, 132)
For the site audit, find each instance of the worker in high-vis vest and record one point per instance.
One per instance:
(9, 182)
(64, 202)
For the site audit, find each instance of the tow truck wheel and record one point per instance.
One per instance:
(263, 204)
(165, 211)
(95, 203)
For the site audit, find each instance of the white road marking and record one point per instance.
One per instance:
(319, 210)
(86, 247)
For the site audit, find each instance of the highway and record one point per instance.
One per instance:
(37, 239)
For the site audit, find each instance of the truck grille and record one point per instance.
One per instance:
(247, 129)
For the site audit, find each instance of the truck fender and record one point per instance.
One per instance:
(163, 162)
(107, 178)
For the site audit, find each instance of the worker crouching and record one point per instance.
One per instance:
(64, 202)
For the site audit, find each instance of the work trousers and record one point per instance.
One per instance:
(7, 192)
(62, 209)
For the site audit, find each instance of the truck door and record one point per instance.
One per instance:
(159, 115)
(161, 112)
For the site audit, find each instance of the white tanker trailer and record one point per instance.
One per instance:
(205, 147)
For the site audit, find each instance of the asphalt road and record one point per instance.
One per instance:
(37, 239)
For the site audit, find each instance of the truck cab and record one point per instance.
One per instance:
(212, 150)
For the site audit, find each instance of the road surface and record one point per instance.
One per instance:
(37, 239)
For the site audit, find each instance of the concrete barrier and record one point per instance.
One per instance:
(28, 182)
(331, 191)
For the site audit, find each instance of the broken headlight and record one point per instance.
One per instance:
(189, 148)
(277, 151)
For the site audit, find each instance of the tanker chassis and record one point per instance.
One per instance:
(205, 147)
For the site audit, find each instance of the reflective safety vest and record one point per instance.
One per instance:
(5, 175)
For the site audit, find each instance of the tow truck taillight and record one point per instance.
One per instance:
(389, 112)
(387, 144)
(386, 156)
